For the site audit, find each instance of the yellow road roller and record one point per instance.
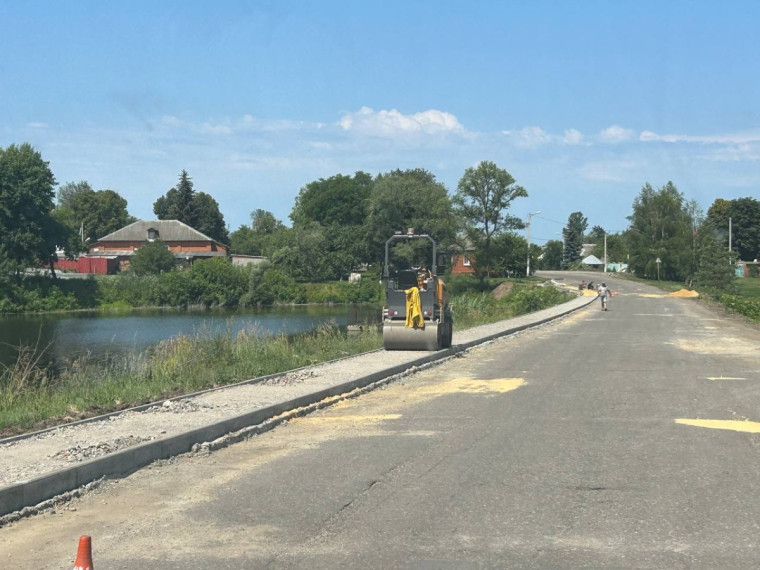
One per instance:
(416, 314)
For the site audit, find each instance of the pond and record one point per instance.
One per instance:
(63, 337)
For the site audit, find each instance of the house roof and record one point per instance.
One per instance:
(593, 260)
(168, 230)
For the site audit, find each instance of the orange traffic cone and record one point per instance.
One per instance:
(84, 554)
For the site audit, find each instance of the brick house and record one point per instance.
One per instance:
(461, 262)
(187, 244)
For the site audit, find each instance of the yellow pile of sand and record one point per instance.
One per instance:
(589, 293)
(683, 293)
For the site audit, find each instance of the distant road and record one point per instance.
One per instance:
(620, 439)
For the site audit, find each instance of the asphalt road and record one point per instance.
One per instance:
(619, 439)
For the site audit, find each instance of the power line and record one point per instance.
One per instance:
(548, 220)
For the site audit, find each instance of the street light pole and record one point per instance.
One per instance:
(527, 227)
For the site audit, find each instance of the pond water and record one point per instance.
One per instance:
(64, 337)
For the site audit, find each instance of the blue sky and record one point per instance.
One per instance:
(582, 102)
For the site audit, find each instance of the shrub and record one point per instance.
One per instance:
(152, 258)
(747, 306)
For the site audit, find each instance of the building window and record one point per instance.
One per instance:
(152, 234)
(466, 260)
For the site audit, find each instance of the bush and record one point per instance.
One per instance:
(269, 285)
(152, 258)
(747, 306)
(218, 282)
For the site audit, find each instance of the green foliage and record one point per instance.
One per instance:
(261, 238)
(471, 308)
(89, 215)
(28, 233)
(269, 284)
(484, 194)
(745, 225)
(404, 199)
(552, 255)
(337, 200)
(368, 290)
(196, 209)
(572, 235)
(663, 225)
(746, 306)
(29, 394)
(715, 269)
(218, 282)
(152, 258)
(37, 294)
(510, 252)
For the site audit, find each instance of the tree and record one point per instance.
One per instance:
(152, 258)
(336, 200)
(28, 233)
(208, 219)
(715, 268)
(263, 237)
(89, 215)
(510, 251)
(68, 190)
(662, 226)
(552, 255)
(404, 199)
(596, 235)
(744, 214)
(304, 255)
(196, 209)
(484, 194)
(572, 235)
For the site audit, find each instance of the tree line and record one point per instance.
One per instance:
(670, 238)
(341, 223)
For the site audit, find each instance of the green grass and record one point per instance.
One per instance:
(32, 397)
(748, 286)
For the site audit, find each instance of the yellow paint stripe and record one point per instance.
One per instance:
(732, 425)
(723, 378)
(472, 386)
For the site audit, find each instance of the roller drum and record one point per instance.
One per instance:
(397, 336)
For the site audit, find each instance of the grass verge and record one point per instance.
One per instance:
(33, 398)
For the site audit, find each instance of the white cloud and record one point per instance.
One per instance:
(530, 137)
(37, 125)
(616, 134)
(572, 137)
(731, 138)
(393, 123)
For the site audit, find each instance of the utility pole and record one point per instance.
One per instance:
(527, 227)
(729, 234)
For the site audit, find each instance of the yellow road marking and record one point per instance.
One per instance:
(732, 425)
(472, 386)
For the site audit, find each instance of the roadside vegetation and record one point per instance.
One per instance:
(32, 396)
(339, 227)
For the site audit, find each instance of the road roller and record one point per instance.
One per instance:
(416, 314)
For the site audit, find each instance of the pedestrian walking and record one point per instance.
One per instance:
(604, 294)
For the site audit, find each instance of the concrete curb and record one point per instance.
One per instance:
(24, 494)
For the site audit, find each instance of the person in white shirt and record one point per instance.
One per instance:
(604, 294)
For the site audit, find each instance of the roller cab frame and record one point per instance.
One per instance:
(437, 327)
